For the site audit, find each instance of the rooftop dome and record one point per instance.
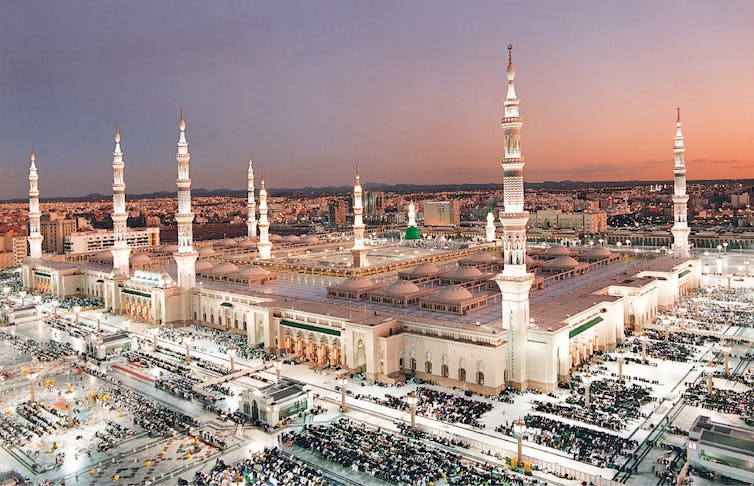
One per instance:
(230, 243)
(530, 260)
(247, 244)
(562, 262)
(556, 251)
(454, 292)
(599, 252)
(252, 271)
(140, 258)
(224, 269)
(104, 256)
(292, 239)
(275, 238)
(402, 287)
(311, 239)
(480, 258)
(357, 283)
(412, 233)
(423, 270)
(206, 251)
(203, 266)
(170, 248)
(465, 273)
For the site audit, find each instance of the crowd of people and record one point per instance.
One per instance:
(439, 405)
(664, 350)
(725, 401)
(45, 352)
(269, 466)
(594, 447)
(396, 458)
(619, 401)
(148, 414)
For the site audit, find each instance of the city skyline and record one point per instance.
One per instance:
(411, 94)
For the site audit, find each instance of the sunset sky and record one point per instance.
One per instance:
(411, 91)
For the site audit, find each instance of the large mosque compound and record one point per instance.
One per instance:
(484, 317)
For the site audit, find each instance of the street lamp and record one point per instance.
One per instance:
(76, 311)
(154, 332)
(412, 400)
(643, 338)
(746, 264)
(54, 303)
(126, 324)
(519, 428)
(719, 249)
(709, 370)
(682, 309)
(666, 326)
(232, 355)
(98, 316)
(728, 275)
(187, 342)
(32, 376)
(725, 246)
(621, 357)
(278, 365)
(586, 378)
(68, 396)
(343, 382)
(726, 349)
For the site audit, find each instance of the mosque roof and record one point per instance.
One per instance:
(412, 233)
(402, 287)
(357, 283)
(252, 271)
(453, 293)
(556, 251)
(203, 266)
(423, 270)
(562, 262)
(225, 269)
(206, 251)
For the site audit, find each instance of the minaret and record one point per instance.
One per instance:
(185, 258)
(514, 281)
(359, 250)
(120, 249)
(35, 237)
(680, 228)
(264, 246)
(251, 205)
(411, 214)
(490, 228)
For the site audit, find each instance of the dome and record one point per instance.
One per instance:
(206, 251)
(105, 256)
(170, 248)
(598, 252)
(252, 271)
(557, 251)
(402, 287)
(530, 260)
(562, 262)
(357, 283)
(291, 239)
(311, 239)
(203, 266)
(454, 292)
(412, 233)
(276, 238)
(224, 269)
(465, 273)
(247, 244)
(423, 270)
(140, 258)
(480, 258)
(230, 243)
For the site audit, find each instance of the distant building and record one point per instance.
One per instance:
(442, 213)
(739, 200)
(338, 213)
(588, 222)
(103, 239)
(54, 232)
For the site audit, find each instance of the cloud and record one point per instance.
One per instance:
(710, 161)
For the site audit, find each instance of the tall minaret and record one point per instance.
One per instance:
(185, 258)
(490, 228)
(35, 237)
(359, 250)
(411, 214)
(251, 205)
(514, 281)
(264, 246)
(680, 228)
(120, 249)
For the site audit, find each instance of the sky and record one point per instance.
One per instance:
(410, 91)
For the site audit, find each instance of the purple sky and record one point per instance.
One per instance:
(408, 90)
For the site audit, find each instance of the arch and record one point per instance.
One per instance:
(462, 374)
(413, 364)
(480, 378)
(444, 370)
(402, 363)
(428, 366)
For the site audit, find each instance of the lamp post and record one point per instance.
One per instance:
(709, 370)
(621, 357)
(586, 378)
(232, 355)
(69, 396)
(643, 338)
(412, 400)
(719, 249)
(98, 316)
(278, 365)
(343, 382)
(728, 275)
(76, 311)
(725, 247)
(746, 264)
(54, 303)
(32, 376)
(154, 332)
(666, 328)
(682, 309)
(519, 428)
(187, 342)
(726, 349)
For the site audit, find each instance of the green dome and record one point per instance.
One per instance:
(412, 233)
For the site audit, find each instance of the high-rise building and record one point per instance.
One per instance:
(442, 213)
(54, 233)
(82, 242)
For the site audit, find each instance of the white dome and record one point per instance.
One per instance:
(357, 283)
(454, 292)
(224, 269)
(423, 270)
(402, 287)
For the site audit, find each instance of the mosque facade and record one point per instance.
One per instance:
(479, 318)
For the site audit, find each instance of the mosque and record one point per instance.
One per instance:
(480, 317)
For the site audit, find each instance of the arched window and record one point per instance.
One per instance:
(462, 374)
(401, 363)
(428, 366)
(479, 378)
(413, 364)
(444, 370)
